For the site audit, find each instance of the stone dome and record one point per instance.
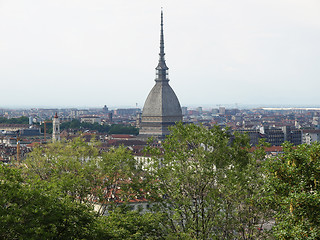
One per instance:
(162, 102)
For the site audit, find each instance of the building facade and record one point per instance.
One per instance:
(310, 136)
(90, 119)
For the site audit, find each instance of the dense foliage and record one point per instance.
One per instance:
(294, 179)
(53, 193)
(126, 224)
(109, 129)
(208, 186)
(35, 210)
(20, 120)
(79, 170)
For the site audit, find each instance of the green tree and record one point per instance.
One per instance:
(20, 120)
(123, 129)
(110, 129)
(121, 178)
(53, 193)
(34, 210)
(208, 184)
(293, 180)
(124, 224)
(80, 170)
(37, 209)
(72, 166)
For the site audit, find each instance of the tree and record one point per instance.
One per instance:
(20, 120)
(293, 180)
(208, 184)
(123, 129)
(110, 129)
(80, 170)
(34, 210)
(37, 209)
(125, 224)
(72, 166)
(53, 193)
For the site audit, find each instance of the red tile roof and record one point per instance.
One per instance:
(122, 136)
(33, 144)
(269, 149)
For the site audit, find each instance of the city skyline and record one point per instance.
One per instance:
(79, 54)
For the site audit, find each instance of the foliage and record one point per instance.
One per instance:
(32, 210)
(123, 129)
(20, 120)
(76, 124)
(71, 166)
(52, 195)
(49, 127)
(293, 179)
(80, 170)
(124, 224)
(110, 129)
(208, 185)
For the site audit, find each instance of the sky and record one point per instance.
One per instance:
(90, 53)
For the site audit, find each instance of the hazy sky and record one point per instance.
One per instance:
(88, 53)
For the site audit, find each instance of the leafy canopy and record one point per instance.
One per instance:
(293, 180)
(207, 183)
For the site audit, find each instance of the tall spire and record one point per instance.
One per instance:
(161, 108)
(162, 67)
(161, 39)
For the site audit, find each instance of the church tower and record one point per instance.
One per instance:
(162, 108)
(55, 128)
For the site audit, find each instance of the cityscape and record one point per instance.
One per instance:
(274, 125)
(171, 168)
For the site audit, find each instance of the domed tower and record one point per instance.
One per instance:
(162, 108)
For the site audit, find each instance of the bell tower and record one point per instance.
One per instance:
(55, 128)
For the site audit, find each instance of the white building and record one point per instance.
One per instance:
(310, 135)
(91, 119)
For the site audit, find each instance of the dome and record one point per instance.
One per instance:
(162, 102)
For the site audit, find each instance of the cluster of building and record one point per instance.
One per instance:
(91, 115)
(161, 110)
(295, 125)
